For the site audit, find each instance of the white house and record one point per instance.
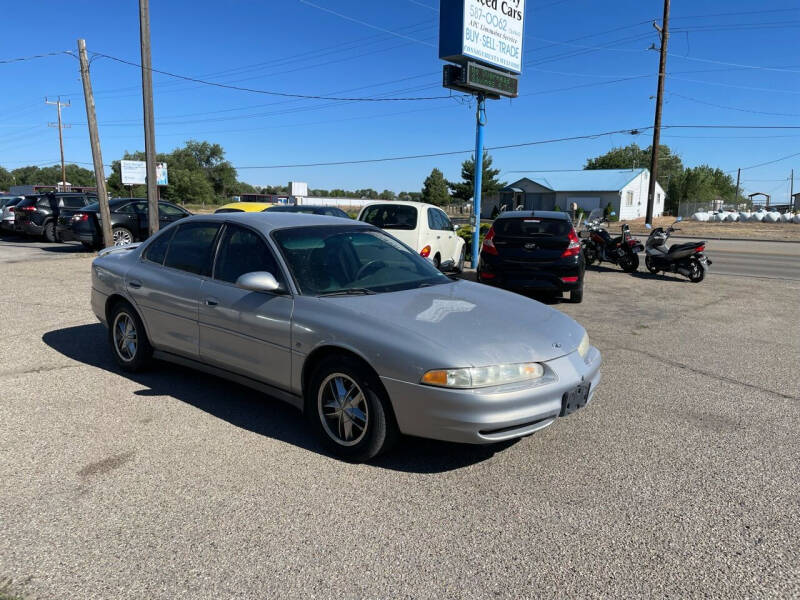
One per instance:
(624, 189)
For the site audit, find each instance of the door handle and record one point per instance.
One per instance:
(212, 301)
(134, 284)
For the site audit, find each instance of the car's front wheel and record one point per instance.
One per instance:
(121, 236)
(49, 232)
(128, 339)
(348, 408)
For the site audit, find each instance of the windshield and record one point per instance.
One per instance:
(390, 216)
(338, 258)
(596, 214)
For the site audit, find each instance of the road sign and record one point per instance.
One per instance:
(134, 172)
(475, 78)
(488, 31)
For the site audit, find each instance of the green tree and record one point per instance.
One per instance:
(434, 189)
(489, 184)
(387, 195)
(6, 179)
(670, 166)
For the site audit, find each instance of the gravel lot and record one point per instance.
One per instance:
(680, 480)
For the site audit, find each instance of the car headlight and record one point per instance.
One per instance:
(475, 377)
(583, 347)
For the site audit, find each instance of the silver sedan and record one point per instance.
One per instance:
(346, 323)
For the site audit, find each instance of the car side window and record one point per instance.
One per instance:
(157, 249)
(445, 221)
(432, 224)
(191, 248)
(243, 251)
(74, 202)
(166, 210)
(126, 209)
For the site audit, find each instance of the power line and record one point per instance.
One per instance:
(268, 92)
(741, 66)
(757, 112)
(726, 14)
(730, 85)
(769, 162)
(365, 24)
(450, 153)
(5, 61)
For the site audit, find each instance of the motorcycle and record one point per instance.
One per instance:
(687, 259)
(599, 246)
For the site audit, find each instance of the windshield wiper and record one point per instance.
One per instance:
(348, 292)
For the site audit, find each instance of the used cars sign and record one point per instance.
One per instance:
(489, 31)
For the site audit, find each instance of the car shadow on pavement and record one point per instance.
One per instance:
(251, 410)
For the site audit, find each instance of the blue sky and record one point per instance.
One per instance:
(575, 51)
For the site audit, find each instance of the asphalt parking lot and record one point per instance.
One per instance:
(680, 479)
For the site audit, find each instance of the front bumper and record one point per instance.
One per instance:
(487, 415)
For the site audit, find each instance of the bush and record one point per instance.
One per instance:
(465, 232)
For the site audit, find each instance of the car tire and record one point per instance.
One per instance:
(337, 422)
(576, 296)
(130, 346)
(49, 232)
(121, 236)
(459, 268)
(88, 245)
(437, 261)
(589, 254)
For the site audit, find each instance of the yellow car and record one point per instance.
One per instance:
(244, 207)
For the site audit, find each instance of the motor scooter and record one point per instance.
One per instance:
(688, 259)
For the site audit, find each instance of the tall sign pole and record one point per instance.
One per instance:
(149, 119)
(662, 66)
(94, 139)
(58, 104)
(482, 41)
(480, 118)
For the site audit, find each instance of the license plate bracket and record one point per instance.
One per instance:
(575, 399)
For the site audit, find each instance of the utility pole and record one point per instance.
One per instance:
(662, 65)
(149, 119)
(477, 178)
(94, 139)
(791, 190)
(58, 104)
(738, 177)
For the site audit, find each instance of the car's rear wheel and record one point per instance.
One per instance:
(437, 261)
(348, 408)
(461, 258)
(121, 236)
(49, 232)
(589, 254)
(576, 296)
(128, 339)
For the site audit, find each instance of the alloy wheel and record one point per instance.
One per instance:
(122, 237)
(125, 337)
(343, 409)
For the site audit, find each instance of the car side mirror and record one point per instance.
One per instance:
(258, 281)
(679, 219)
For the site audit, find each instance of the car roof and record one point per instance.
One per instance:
(401, 203)
(267, 221)
(540, 214)
(247, 206)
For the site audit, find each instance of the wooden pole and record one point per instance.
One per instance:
(149, 119)
(94, 139)
(662, 65)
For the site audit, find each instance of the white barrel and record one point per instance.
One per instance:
(786, 217)
(796, 218)
(732, 217)
(772, 217)
(700, 216)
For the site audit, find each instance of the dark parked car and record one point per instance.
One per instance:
(535, 251)
(129, 221)
(37, 215)
(330, 211)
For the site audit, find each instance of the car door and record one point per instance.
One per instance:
(126, 216)
(166, 283)
(449, 238)
(435, 236)
(240, 330)
(168, 213)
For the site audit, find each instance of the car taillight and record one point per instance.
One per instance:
(425, 252)
(488, 242)
(574, 247)
(700, 249)
(80, 217)
(25, 209)
(569, 279)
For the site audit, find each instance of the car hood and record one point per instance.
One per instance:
(469, 324)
